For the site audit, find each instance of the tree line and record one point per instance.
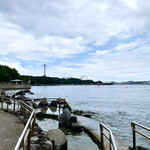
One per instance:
(7, 74)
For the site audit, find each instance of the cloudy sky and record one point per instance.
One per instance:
(106, 40)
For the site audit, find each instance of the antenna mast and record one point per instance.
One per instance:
(44, 70)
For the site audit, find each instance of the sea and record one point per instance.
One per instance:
(116, 106)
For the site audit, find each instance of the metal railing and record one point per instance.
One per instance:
(133, 125)
(109, 136)
(28, 113)
(9, 101)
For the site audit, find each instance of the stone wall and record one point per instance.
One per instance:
(11, 86)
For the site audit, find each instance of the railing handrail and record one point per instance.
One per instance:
(24, 131)
(139, 125)
(133, 124)
(111, 137)
(30, 123)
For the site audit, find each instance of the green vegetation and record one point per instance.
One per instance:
(54, 80)
(7, 74)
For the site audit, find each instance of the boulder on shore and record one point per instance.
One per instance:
(59, 139)
(64, 117)
(53, 104)
(43, 103)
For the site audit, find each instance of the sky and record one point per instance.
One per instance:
(107, 40)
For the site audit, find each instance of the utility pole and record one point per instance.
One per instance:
(44, 70)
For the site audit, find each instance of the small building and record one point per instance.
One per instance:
(16, 82)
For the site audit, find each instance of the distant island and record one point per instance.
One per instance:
(7, 74)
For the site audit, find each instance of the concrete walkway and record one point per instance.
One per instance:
(94, 126)
(11, 128)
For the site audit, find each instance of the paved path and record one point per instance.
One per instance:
(10, 130)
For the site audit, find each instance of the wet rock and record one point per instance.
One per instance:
(20, 97)
(34, 138)
(3, 92)
(35, 146)
(48, 145)
(40, 114)
(53, 109)
(59, 139)
(139, 148)
(66, 106)
(73, 119)
(64, 117)
(76, 128)
(26, 91)
(61, 101)
(78, 112)
(53, 104)
(38, 130)
(20, 93)
(43, 103)
(35, 105)
(87, 115)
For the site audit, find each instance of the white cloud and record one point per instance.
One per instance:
(44, 31)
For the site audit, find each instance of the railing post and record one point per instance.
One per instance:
(18, 105)
(28, 142)
(110, 141)
(22, 145)
(21, 108)
(14, 105)
(33, 125)
(7, 106)
(102, 139)
(2, 104)
(24, 114)
(134, 136)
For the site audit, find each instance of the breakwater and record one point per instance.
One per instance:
(13, 86)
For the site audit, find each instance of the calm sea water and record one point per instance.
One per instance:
(115, 106)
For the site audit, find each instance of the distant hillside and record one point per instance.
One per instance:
(7, 74)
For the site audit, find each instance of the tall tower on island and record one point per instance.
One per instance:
(44, 70)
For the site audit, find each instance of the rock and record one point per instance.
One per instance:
(64, 117)
(53, 104)
(40, 114)
(141, 148)
(61, 101)
(66, 106)
(78, 112)
(76, 127)
(3, 93)
(21, 97)
(43, 103)
(35, 105)
(20, 93)
(53, 109)
(59, 137)
(34, 138)
(26, 91)
(68, 124)
(48, 145)
(86, 115)
(35, 146)
(38, 130)
(73, 119)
